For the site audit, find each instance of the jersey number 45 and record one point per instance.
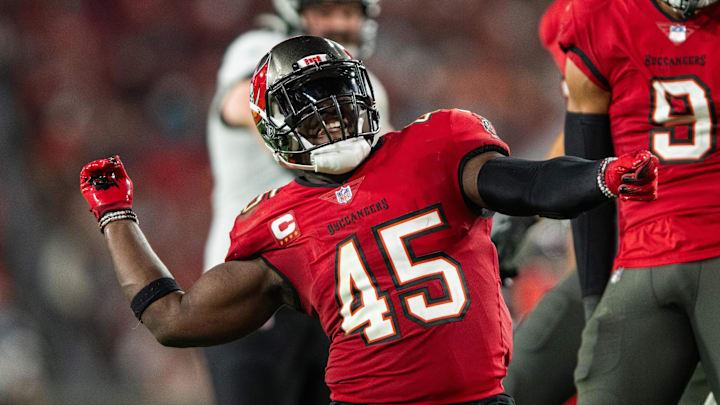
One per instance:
(365, 308)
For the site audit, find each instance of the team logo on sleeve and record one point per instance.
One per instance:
(285, 229)
(488, 126)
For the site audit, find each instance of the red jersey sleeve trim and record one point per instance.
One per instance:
(585, 64)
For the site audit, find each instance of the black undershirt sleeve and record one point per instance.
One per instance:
(594, 231)
(560, 188)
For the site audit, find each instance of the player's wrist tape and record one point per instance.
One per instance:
(112, 216)
(151, 293)
(602, 185)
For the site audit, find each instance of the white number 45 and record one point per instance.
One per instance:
(364, 307)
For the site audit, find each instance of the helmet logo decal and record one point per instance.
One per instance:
(310, 59)
(259, 87)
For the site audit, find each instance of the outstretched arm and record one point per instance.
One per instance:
(227, 302)
(508, 232)
(561, 187)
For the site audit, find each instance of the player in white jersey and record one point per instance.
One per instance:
(284, 362)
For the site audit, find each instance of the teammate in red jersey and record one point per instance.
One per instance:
(648, 81)
(546, 340)
(384, 240)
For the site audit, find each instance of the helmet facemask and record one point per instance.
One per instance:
(325, 103)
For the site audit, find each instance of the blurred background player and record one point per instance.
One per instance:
(649, 83)
(283, 363)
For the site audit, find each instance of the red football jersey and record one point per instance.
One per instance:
(549, 30)
(398, 268)
(665, 87)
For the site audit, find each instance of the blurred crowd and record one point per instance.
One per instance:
(85, 79)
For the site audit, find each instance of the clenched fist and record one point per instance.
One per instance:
(106, 186)
(633, 176)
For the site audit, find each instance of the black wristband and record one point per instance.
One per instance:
(151, 293)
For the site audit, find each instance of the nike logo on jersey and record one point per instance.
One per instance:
(357, 215)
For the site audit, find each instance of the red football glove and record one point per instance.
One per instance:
(106, 186)
(633, 176)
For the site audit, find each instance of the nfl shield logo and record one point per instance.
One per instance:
(678, 33)
(344, 194)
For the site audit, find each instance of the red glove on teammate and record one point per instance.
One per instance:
(106, 186)
(632, 176)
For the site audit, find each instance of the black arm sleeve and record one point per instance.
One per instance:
(557, 188)
(594, 231)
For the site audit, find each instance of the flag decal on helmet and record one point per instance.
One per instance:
(310, 59)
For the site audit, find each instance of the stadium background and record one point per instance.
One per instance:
(84, 79)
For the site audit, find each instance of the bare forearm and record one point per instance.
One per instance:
(214, 310)
(227, 302)
(136, 264)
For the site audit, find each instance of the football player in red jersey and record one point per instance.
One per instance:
(284, 362)
(384, 240)
(643, 74)
(546, 341)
